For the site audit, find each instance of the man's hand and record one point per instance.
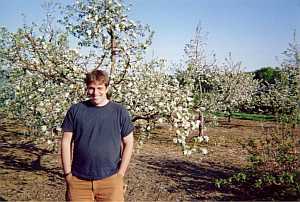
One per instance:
(120, 173)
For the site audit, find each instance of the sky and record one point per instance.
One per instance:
(255, 32)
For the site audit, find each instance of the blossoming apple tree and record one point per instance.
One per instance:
(235, 87)
(46, 71)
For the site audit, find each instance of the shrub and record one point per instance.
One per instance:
(273, 163)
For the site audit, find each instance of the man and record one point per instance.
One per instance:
(101, 133)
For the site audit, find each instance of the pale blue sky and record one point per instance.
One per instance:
(254, 31)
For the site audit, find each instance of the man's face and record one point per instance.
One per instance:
(97, 93)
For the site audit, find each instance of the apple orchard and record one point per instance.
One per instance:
(45, 66)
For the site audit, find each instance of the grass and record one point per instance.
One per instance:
(253, 117)
(246, 116)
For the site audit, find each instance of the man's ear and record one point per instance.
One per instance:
(108, 92)
(86, 90)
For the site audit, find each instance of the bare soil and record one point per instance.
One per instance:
(158, 171)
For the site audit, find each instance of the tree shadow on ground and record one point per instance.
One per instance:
(24, 156)
(2, 199)
(197, 180)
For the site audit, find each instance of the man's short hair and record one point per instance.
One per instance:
(97, 76)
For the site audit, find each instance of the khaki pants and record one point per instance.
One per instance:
(107, 189)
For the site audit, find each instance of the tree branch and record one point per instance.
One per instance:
(146, 117)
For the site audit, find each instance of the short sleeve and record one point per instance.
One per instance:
(126, 123)
(68, 123)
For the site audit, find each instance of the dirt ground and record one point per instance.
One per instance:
(158, 171)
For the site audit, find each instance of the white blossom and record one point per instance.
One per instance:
(44, 128)
(204, 151)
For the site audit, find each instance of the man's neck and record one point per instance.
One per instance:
(103, 103)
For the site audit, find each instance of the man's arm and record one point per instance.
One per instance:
(127, 152)
(66, 152)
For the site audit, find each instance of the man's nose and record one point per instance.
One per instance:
(91, 92)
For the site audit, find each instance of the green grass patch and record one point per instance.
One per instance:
(254, 117)
(245, 116)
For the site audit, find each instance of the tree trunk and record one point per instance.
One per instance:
(201, 125)
(229, 115)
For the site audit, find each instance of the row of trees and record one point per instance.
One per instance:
(229, 88)
(45, 70)
(223, 87)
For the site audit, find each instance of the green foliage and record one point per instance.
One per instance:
(267, 75)
(259, 181)
(236, 178)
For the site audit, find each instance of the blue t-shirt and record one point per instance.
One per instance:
(97, 135)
